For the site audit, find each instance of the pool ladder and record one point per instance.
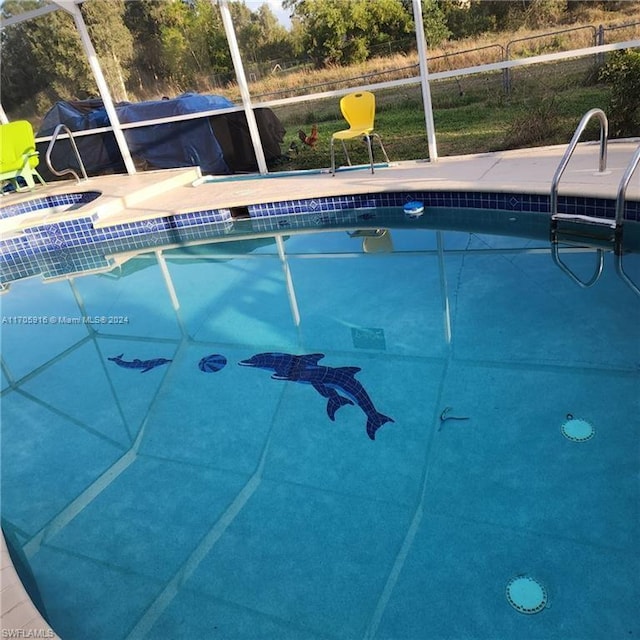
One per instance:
(591, 231)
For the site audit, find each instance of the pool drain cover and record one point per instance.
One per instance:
(576, 429)
(365, 338)
(526, 595)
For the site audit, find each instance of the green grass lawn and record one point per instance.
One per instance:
(471, 115)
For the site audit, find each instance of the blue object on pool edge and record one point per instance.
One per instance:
(212, 363)
(414, 208)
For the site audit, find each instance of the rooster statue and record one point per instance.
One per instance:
(311, 139)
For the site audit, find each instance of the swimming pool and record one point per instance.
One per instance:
(197, 487)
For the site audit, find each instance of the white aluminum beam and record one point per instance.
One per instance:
(28, 15)
(291, 292)
(424, 80)
(103, 88)
(242, 84)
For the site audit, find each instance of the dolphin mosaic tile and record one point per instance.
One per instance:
(136, 363)
(337, 384)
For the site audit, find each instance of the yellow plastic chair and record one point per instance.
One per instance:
(359, 110)
(18, 155)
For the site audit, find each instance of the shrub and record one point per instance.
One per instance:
(533, 126)
(622, 74)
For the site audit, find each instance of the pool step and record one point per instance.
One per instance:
(601, 234)
(584, 231)
(118, 193)
(147, 186)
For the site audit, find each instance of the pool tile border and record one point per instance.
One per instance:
(46, 202)
(75, 246)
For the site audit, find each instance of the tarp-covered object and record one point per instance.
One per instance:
(99, 153)
(186, 143)
(218, 144)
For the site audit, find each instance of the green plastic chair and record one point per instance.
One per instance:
(18, 155)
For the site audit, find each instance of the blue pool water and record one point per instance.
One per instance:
(177, 494)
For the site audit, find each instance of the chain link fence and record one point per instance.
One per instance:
(451, 60)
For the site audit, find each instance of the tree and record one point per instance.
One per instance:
(18, 77)
(346, 31)
(275, 40)
(144, 19)
(112, 41)
(483, 16)
(248, 32)
(193, 43)
(325, 24)
(435, 23)
(42, 58)
(385, 22)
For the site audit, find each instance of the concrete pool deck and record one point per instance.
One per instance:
(19, 615)
(156, 194)
(164, 193)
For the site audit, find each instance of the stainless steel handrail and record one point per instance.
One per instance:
(624, 183)
(64, 172)
(555, 255)
(602, 162)
(620, 201)
(553, 204)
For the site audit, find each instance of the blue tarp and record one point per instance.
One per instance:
(176, 144)
(163, 146)
(99, 152)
